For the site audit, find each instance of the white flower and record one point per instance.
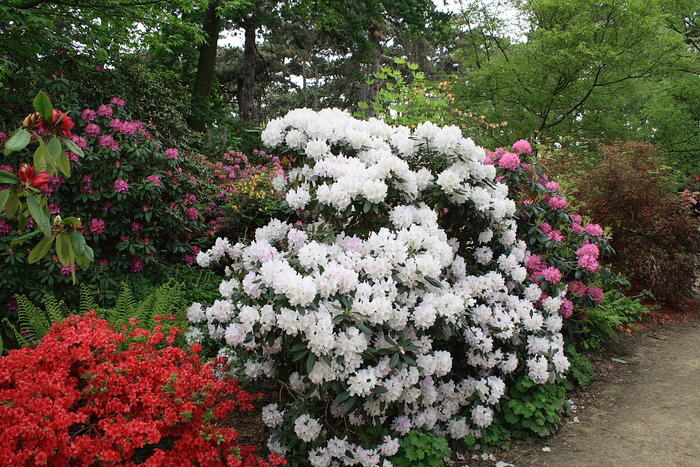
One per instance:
(482, 416)
(307, 428)
(298, 199)
(195, 313)
(271, 416)
(362, 382)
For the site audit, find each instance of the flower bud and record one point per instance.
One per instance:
(31, 120)
(26, 172)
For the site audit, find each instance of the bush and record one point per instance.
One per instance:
(141, 203)
(656, 241)
(404, 303)
(89, 395)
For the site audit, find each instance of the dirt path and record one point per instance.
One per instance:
(645, 412)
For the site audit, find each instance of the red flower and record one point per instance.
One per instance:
(28, 176)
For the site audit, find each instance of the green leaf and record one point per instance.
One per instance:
(40, 250)
(12, 205)
(63, 163)
(23, 238)
(42, 104)
(78, 242)
(19, 141)
(72, 147)
(70, 220)
(8, 178)
(54, 148)
(40, 215)
(363, 105)
(64, 249)
(4, 195)
(310, 362)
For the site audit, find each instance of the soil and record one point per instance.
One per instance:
(641, 409)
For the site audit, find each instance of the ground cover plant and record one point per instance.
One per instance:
(405, 300)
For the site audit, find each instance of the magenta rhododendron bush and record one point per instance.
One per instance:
(89, 395)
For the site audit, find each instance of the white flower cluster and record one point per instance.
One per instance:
(395, 317)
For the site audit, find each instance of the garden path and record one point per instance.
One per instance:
(642, 409)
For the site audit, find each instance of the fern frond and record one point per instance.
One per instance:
(21, 340)
(32, 321)
(87, 300)
(123, 309)
(56, 311)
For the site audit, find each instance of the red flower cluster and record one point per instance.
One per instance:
(89, 395)
(61, 123)
(28, 176)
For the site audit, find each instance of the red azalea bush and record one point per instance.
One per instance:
(656, 240)
(90, 395)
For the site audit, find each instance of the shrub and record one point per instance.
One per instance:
(90, 395)
(141, 203)
(656, 242)
(378, 312)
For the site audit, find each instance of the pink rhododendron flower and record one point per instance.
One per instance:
(107, 141)
(92, 129)
(172, 153)
(118, 101)
(54, 208)
(97, 226)
(596, 294)
(103, 262)
(509, 161)
(155, 179)
(554, 186)
(577, 288)
(594, 230)
(535, 263)
(115, 124)
(137, 264)
(88, 115)
(552, 274)
(589, 263)
(5, 227)
(590, 249)
(567, 308)
(576, 218)
(576, 228)
(136, 227)
(79, 141)
(121, 186)
(67, 270)
(557, 203)
(193, 214)
(545, 228)
(128, 128)
(105, 111)
(4, 137)
(556, 236)
(522, 147)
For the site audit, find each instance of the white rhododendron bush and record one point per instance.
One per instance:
(374, 317)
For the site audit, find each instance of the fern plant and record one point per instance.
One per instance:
(35, 322)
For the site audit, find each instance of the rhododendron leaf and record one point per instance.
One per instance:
(21, 239)
(342, 397)
(379, 390)
(40, 250)
(78, 243)
(350, 404)
(40, 215)
(42, 104)
(64, 249)
(63, 163)
(72, 147)
(70, 220)
(4, 196)
(19, 141)
(7, 178)
(300, 355)
(42, 159)
(310, 362)
(394, 361)
(54, 148)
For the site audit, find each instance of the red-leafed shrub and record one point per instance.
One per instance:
(89, 395)
(655, 238)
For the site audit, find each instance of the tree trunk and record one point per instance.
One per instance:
(246, 83)
(201, 97)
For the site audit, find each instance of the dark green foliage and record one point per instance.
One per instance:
(581, 370)
(533, 409)
(420, 449)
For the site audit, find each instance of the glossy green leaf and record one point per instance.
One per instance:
(70, 221)
(12, 205)
(64, 249)
(19, 141)
(72, 147)
(63, 163)
(26, 237)
(40, 250)
(42, 104)
(78, 243)
(54, 148)
(8, 178)
(4, 196)
(40, 215)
